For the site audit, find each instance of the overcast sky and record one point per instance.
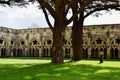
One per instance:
(19, 18)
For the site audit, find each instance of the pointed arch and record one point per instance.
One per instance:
(34, 42)
(47, 42)
(99, 42)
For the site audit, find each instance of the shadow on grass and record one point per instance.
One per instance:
(31, 58)
(26, 58)
(50, 71)
(97, 59)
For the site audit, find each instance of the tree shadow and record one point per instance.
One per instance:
(31, 58)
(50, 71)
(26, 58)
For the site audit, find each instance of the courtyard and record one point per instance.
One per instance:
(41, 69)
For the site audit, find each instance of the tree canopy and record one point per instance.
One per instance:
(53, 7)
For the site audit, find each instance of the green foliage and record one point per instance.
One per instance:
(42, 69)
(21, 3)
(98, 5)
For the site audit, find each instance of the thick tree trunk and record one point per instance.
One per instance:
(77, 34)
(58, 43)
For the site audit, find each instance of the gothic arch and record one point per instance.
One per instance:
(18, 42)
(67, 47)
(13, 41)
(68, 42)
(94, 52)
(4, 46)
(23, 42)
(114, 46)
(99, 42)
(34, 42)
(46, 47)
(115, 42)
(33, 47)
(47, 42)
(3, 42)
(86, 43)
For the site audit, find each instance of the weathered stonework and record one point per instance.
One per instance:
(37, 42)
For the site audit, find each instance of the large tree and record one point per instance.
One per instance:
(84, 8)
(58, 10)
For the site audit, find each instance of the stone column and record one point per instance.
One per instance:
(108, 53)
(99, 48)
(89, 53)
(49, 51)
(71, 52)
(26, 52)
(9, 51)
(64, 51)
(89, 45)
(0, 51)
(118, 52)
(40, 52)
(108, 48)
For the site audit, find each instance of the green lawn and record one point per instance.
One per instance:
(42, 69)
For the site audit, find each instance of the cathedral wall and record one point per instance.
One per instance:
(37, 42)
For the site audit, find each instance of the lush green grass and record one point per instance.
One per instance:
(42, 69)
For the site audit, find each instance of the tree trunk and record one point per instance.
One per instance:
(77, 34)
(58, 43)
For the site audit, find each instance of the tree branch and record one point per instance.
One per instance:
(5, 2)
(46, 16)
(48, 7)
(81, 9)
(117, 7)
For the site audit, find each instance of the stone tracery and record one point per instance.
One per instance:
(38, 42)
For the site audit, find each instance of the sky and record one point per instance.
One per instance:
(31, 17)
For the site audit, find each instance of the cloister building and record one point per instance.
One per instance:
(37, 42)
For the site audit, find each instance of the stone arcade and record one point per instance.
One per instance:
(36, 42)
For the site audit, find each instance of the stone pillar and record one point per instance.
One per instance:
(89, 53)
(99, 48)
(40, 52)
(26, 52)
(108, 53)
(11, 51)
(64, 51)
(49, 51)
(8, 51)
(89, 45)
(71, 52)
(0, 51)
(108, 48)
(118, 52)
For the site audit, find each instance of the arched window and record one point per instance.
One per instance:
(65, 42)
(1, 41)
(99, 41)
(35, 42)
(11, 42)
(22, 42)
(49, 42)
(69, 43)
(117, 41)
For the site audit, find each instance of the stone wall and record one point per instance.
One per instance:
(37, 42)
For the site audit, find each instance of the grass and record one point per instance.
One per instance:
(42, 69)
